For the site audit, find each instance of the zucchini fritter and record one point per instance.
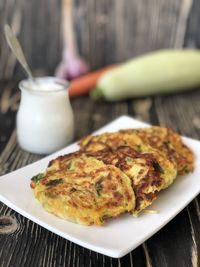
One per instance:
(84, 190)
(170, 143)
(112, 141)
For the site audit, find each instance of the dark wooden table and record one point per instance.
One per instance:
(24, 243)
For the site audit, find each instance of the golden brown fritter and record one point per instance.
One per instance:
(110, 141)
(170, 143)
(84, 190)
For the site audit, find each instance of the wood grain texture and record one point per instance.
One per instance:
(37, 25)
(107, 31)
(192, 38)
(118, 30)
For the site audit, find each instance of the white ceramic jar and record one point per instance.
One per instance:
(45, 120)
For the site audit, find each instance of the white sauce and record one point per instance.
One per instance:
(43, 84)
(45, 120)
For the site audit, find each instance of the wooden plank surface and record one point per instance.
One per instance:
(107, 31)
(23, 243)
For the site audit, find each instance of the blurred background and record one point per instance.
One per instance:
(106, 31)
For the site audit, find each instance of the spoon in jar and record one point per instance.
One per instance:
(17, 50)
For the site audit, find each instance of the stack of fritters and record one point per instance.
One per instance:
(112, 173)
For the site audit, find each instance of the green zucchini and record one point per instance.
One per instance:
(164, 71)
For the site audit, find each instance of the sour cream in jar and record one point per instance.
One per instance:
(45, 121)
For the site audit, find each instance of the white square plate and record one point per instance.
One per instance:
(118, 236)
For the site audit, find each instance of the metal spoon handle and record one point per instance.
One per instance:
(16, 49)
